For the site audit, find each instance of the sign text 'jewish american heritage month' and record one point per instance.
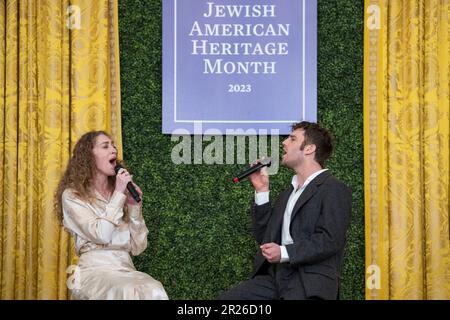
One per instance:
(239, 64)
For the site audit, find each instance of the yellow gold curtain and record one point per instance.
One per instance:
(406, 139)
(59, 77)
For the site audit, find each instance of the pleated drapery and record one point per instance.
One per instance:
(406, 124)
(59, 78)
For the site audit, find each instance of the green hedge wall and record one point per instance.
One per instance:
(200, 241)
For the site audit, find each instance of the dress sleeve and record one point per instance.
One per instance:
(81, 219)
(138, 230)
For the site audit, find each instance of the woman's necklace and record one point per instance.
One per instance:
(105, 194)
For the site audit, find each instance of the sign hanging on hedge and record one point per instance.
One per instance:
(238, 66)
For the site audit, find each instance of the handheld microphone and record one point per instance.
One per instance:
(266, 162)
(130, 186)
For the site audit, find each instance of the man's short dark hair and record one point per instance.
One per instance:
(320, 137)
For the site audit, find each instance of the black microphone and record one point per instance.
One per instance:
(263, 163)
(130, 186)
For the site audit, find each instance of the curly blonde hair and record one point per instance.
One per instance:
(80, 172)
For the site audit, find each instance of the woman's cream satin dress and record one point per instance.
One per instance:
(104, 241)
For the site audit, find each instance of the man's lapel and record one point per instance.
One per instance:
(309, 192)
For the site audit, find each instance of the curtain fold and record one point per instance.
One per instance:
(59, 78)
(406, 138)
